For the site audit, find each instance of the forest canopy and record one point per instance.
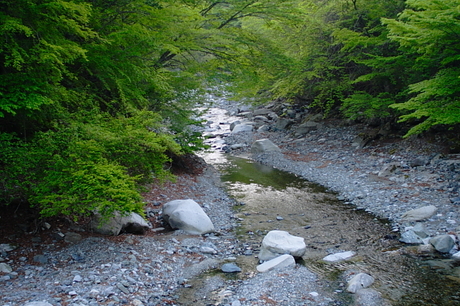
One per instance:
(97, 96)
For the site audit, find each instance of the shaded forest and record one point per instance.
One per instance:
(96, 97)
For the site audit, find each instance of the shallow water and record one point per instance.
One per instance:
(275, 199)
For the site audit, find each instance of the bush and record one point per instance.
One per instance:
(82, 166)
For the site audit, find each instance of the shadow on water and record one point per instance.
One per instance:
(275, 199)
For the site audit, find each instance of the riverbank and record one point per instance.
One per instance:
(387, 177)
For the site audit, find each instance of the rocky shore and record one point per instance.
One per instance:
(62, 264)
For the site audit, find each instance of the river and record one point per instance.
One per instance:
(273, 199)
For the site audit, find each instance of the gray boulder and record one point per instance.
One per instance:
(261, 112)
(277, 243)
(410, 237)
(242, 127)
(132, 223)
(359, 281)
(283, 123)
(233, 124)
(419, 214)
(263, 146)
(187, 215)
(443, 243)
(306, 128)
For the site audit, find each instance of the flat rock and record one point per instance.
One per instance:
(279, 262)
(419, 214)
(359, 281)
(277, 243)
(230, 268)
(339, 256)
(43, 303)
(187, 215)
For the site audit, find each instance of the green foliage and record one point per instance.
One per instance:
(92, 163)
(429, 31)
(363, 105)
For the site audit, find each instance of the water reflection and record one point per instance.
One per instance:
(278, 200)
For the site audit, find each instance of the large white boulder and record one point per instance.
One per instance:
(132, 223)
(187, 215)
(264, 145)
(277, 243)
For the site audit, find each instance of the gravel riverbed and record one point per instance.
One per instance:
(164, 268)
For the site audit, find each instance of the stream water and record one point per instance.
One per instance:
(273, 199)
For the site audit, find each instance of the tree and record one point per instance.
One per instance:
(430, 31)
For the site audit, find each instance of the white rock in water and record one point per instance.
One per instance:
(264, 145)
(277, 243)
(339, 256)
(279, 262)
(359, 281)
(419, 214)
(188, 216)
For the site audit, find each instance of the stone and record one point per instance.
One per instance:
(72, 237)
(277, 243)
(456, 256)
(283, 123)
(443, 243)
(389, 169)
(6, 247)
(419, 214)
(132, 223)
(369, 297)
(42, 303)
(230, 268)
(410, 237)
(243, 127)
(5, 268)
(263, 146)
(420, 230)
(41, 259)
(188, 216)
(261, 112)
(339, 256)
(233, 124)
(359, 281)
(279, 262)
(306, 128)
(77, 279)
